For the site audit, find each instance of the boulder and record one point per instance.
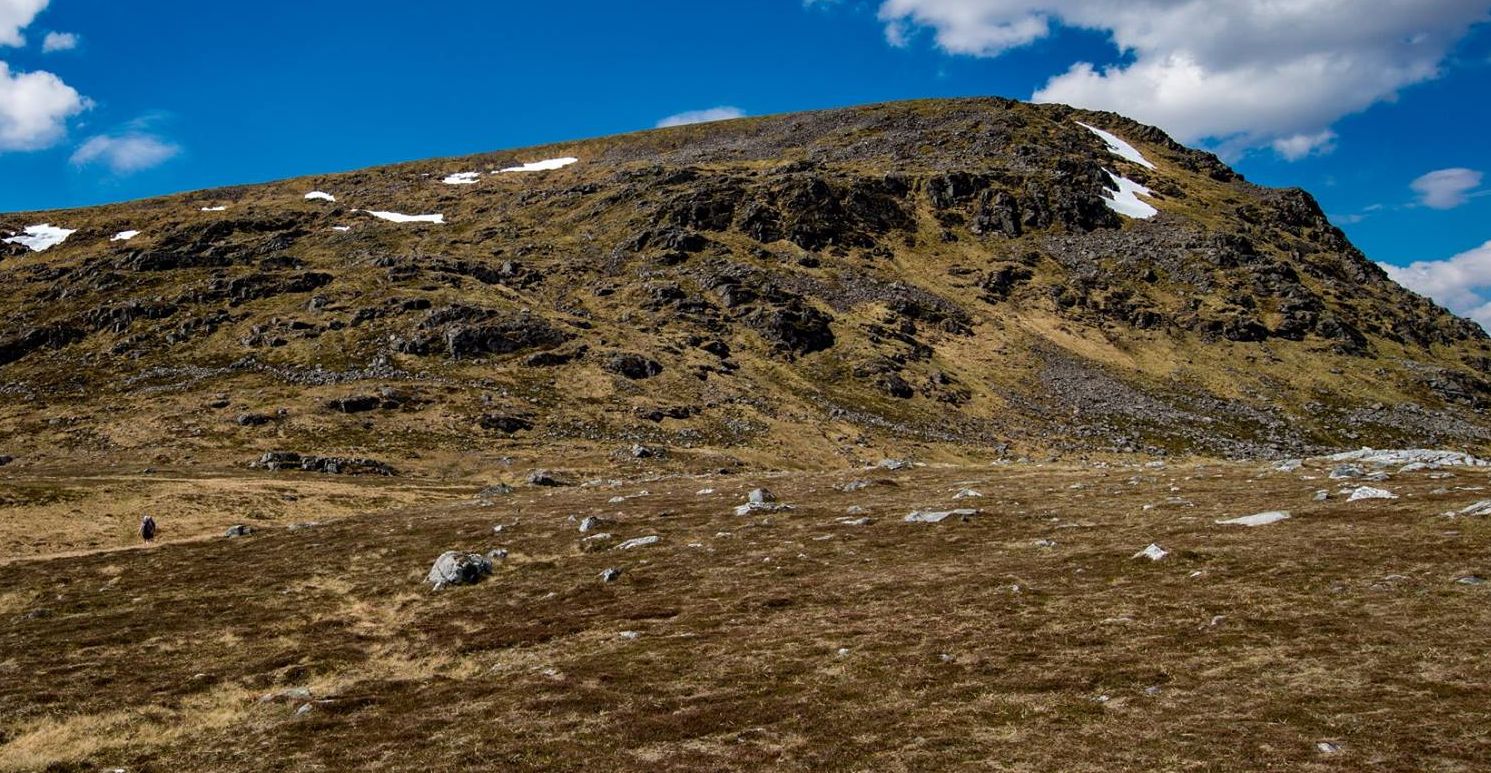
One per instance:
(546, 479)
(238, 530)
(632, 366)
(457, 568)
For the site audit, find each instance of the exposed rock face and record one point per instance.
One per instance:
(942, 273)
(331, 465)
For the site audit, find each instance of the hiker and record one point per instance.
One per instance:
(147, 528)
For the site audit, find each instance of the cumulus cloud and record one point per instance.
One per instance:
(127, 153)
(59, 41)
(701, 116)
(1446, 188)
(1245, 73)
(1461, 283)
(16, 15)
(34, 108)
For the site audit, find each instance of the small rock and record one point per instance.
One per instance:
(1322, 495)
(1346, 471)
(1326, 747)
(611, 574)
(1289, 465)
(894, 464)
(593, 522)
(855, 521)
(238, 530)
(1367, 492)
(1472, 579)
(761, 496)
(854, 510)
(929, 516)
(290, 695)
(639, 542)
(1261, 519)
(854, 485)
(631, 635)
(545, 478)
(1154, 552)
(494, 491)
(967, 493)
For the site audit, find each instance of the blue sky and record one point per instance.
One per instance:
(170, 95)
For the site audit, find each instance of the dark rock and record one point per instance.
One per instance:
(633, 366)
(354, 404)
(507, 425)
(253, 419)
(546, 479)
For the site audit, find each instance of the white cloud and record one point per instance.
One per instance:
(34, 108)
(1461, 283)
(701, 116)
(1446, 188)
(59, 41)
(1244, 73)
(126, 153)
(16, 15)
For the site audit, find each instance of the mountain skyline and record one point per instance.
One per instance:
(1378, 117)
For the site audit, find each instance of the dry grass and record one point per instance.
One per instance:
(785, 641)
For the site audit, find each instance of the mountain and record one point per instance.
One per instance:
(945, 279)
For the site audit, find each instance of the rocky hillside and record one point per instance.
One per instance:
(941, 279)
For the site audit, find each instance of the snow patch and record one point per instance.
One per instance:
(1261, 519)
(398, 217)
(1118, 147)
(41, 238)
(342, 228)
(1125, 200)
(124, 236)
(542, 166)
(462, 178)
(213, 209)
(320, 195)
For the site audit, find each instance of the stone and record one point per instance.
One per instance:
(592, 522)
(894, 464)
(495, 490)
(1260, 519)
(761, 496)
(1289, 465)
(252, 419)
(546, 479)
(854, 485)
(967, 493)
(1367, 492)
(238, 530)
(938, 516)
(610, 575)
(457, 568)
(1154, 552)
(632, 366)
(1346, 471)
(639, 542)
(1322, 495)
